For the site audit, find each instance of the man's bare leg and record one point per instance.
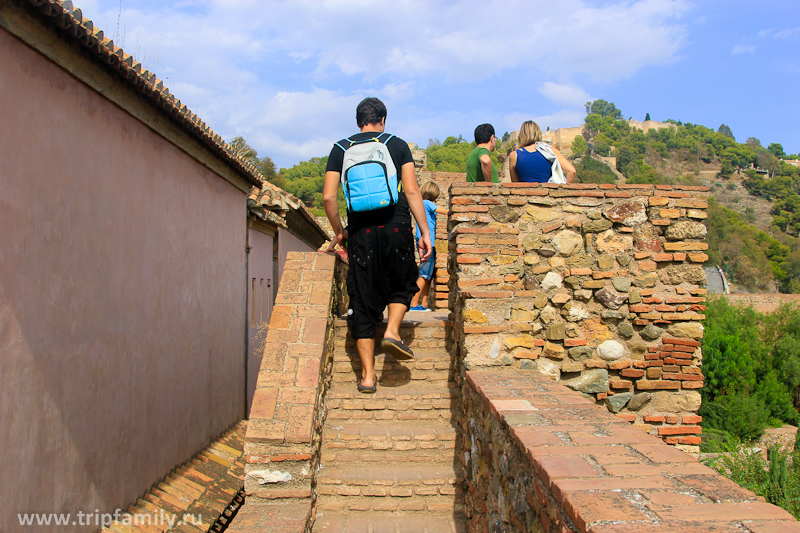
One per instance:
(396, 314)
(366, 352)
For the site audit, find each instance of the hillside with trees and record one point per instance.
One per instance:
(751, 363)
(754, 211)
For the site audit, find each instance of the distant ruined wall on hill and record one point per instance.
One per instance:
(648, 125)
(763, 303)
(562, 138)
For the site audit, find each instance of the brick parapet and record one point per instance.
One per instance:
(544, 274)
(543, 458)
(284, 428)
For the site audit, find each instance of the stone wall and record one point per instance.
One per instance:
(543, 459)
(597, 286)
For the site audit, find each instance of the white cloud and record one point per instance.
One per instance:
(743, 49)
(788, 34)
(287, 75)
(568, 37)
(568, 95)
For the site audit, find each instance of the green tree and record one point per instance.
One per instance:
(263, 164)
(726, 131)
(647, 117)
(453, 140)
(604, 109)
(625, 156)
(590, 170)
(776, 150)
(753, 142)
(452, 155)
(579, 145)
(747, 386)
(726, 171)
(602, 145)
(305, 180)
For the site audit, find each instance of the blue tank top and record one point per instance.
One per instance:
(532, 167)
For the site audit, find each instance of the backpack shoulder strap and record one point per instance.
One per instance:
(388, 137)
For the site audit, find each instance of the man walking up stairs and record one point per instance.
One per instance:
(390, 461)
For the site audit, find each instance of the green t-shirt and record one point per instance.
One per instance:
(474, 172)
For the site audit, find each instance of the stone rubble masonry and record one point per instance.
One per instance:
(580, 266)
(283, 432)
(543, 458)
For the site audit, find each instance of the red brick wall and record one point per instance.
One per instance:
(542, 458)
(286, 417)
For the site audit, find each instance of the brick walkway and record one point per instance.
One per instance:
(388, 459)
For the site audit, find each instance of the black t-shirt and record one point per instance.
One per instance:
(398, 213)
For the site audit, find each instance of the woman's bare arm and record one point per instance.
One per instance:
(569, 169)
(512, 162)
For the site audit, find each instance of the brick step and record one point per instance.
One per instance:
(343, 456)
(392, 435)
(417, 401)
(412, 340)
(426, 366)
(423, 487)
(421, 331)
(402, 505)
(412, 319)
(385, 476)
(420, 522)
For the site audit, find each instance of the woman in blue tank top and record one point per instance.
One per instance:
(527, 164)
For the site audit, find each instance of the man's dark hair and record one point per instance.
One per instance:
(370, 111)
(483, 133)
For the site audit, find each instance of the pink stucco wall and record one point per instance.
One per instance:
(261, 295)
(122, 297)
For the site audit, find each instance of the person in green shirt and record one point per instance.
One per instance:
(479, 162)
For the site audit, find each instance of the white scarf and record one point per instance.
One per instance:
(556, 174)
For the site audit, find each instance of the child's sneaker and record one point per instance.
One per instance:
(419, 308)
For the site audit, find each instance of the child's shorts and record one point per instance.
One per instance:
(426, 267)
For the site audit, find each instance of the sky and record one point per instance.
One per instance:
(287, 75)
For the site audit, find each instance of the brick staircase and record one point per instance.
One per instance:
(389, 460)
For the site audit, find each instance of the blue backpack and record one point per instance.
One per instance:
(369, 177)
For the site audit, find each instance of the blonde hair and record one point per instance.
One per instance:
(529, 133)
(430, 191)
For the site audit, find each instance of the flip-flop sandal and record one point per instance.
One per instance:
(367, 390)
(397, 349)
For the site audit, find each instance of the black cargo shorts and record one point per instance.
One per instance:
(382, 271)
